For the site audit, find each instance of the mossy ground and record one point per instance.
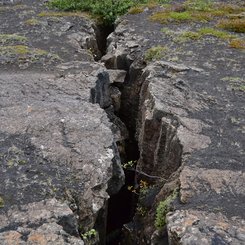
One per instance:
(155, 53)
(12, 38)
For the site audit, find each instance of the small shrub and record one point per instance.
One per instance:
(155, 53)
(162, 210)
(107, 10)
(235, 25)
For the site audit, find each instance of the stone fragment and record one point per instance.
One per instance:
(198, 227)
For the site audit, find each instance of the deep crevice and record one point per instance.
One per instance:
(102, 31)
(122, 206)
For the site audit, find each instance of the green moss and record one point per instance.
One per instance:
(195, 11)
(32, 22)
(206, 31)
(200, 5)
(25, 51)
(162, 210)
(155, 53)
(182, 16)
(214, 32)
(188, 35)
(6, 38)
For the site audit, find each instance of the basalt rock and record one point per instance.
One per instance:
(189, 128)
(58, 149)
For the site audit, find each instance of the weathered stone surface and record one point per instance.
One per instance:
(58, 153)
(46, 37)
(190, 123)
(198, 227)
(44, 222)
(117, 76)
(53, 135)
(196, 181)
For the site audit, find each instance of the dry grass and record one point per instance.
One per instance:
(238, 43)
(235, 25)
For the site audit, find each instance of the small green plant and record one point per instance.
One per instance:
(129, 164)
(155, 53)
(162, 210)
(89, 234)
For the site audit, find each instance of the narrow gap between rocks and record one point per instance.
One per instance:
(121, 206)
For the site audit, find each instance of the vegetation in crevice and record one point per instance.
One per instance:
(162, 209)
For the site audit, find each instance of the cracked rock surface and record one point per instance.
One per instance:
(58, 154)
(190, 126)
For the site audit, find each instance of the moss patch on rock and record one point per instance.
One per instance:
(191, 12)
(12, 38)
(155, 53)
(32, 22)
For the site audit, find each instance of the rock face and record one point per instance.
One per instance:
(44, 222)
(58, 152)
(189, 125)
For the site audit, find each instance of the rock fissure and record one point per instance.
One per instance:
(101, 145)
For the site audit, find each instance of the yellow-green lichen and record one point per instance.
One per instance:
(7, 38)
(32, 22)
(23, 51)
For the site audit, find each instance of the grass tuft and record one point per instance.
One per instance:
(195, 11)
(6, 38)
(136, 10)
(235, 25)
(155, 53)
(238, 43)
(32, 22)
